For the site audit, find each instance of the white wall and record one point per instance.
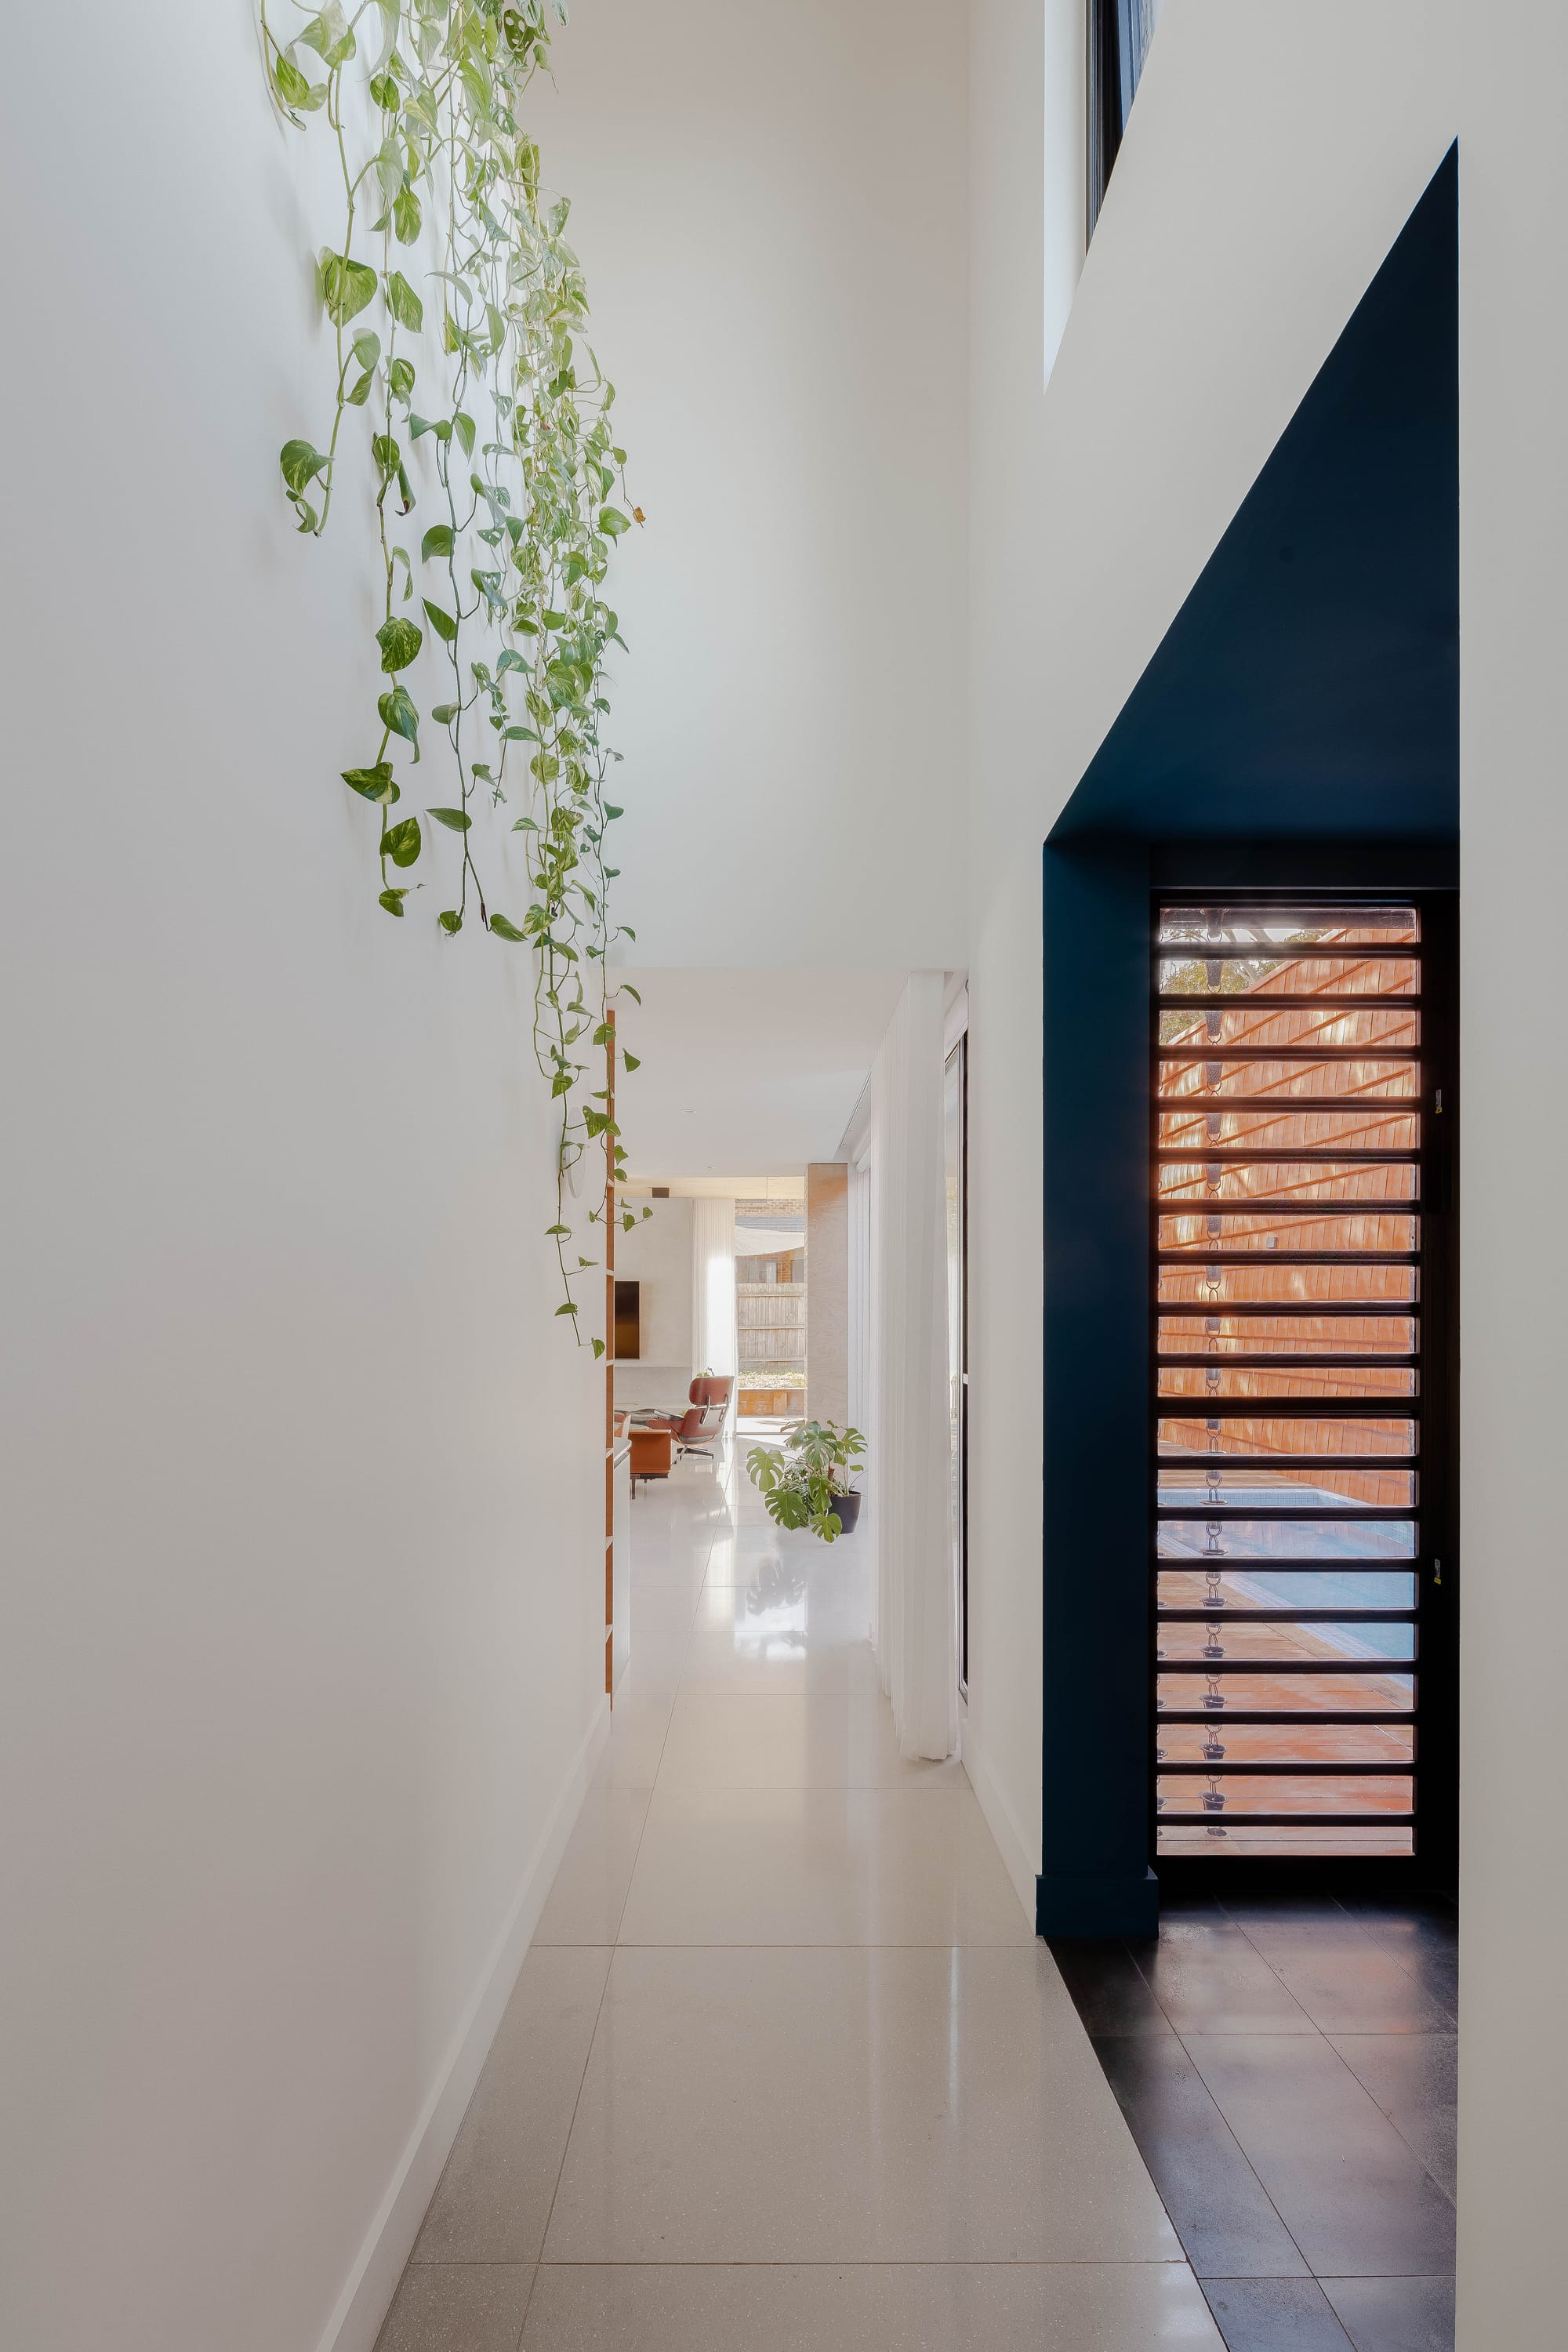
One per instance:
(657, 1254)
(303, 1609)
(1261, 182)
(770, 207)
(1513, 2050)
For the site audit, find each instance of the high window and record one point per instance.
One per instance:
(1120, 32)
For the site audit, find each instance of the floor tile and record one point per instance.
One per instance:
(1423, 1923)
(494, 2196)
(457, 2307)
(1344, 1981)
(1413, 2077)
(1285, 2315)
(762, 1661)
(1226, 2224)
(1395, 2315)
(1209, 1977)
(1424, 1937)
(1354, 2196)
(820, 1866)
(1107, 1987)
(935, 2307)
(819, 1739)
(589, 1890)
(637, 1730)
(828, 2106)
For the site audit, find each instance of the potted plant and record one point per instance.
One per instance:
(807, 1485)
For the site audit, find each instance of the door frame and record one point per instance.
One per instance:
(1097, 1875)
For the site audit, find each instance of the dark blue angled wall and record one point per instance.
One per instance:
(1300, 714)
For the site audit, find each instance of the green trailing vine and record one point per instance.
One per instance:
(527, 498)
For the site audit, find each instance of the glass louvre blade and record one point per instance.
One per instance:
(1217, 1286)
(1241, 922)
(1307, 1843)
(1187, 1025)
(1191, 1794)
(1286, 1383)
(1284, 1741)
(1259, 1691)
(1294, 1335)
(1202, 1125)
(1385, 973)
(1218, 1076)
(1205, 1537)
(1272, 1644)
(1203, 1231)
(1286, 1076)
(1320, 1588)
(1246, 1437)
(1294, 1183)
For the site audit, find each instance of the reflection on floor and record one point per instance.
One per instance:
(1288, 2069)
(785, 2065)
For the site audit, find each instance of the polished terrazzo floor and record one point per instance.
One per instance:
(785, 2069)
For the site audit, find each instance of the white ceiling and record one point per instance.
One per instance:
(757, 1070)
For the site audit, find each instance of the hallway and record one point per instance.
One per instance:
(786, 2066)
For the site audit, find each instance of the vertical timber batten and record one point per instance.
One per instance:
(610, 1360)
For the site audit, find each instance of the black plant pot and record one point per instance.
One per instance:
(846, 1510)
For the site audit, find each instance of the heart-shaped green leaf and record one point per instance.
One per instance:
(372, 783)
(400, 641)
(301, 463)
(399, 716)
(346, 286)
(404, 303)
(401, 842)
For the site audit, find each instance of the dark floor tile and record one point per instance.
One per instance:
(1210, 1978)
(1413, 2077)
(1425, 1923)
(1226, 2225)
(1424, 1937)
(1284, 2314)
(1108, 1989)
(1344, 1981)
(1303, 1909)
(1395, 2315)
(1355, 2198)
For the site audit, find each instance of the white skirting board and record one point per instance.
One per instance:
(1021, 1866)
(372, 2281)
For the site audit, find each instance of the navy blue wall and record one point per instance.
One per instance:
(1297, 724)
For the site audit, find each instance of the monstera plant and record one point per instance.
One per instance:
(808, 1483)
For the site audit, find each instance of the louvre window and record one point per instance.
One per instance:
(1292, 1406)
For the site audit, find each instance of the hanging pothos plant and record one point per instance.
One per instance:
(508, 576)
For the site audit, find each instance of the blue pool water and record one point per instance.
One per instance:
(1250, 1545)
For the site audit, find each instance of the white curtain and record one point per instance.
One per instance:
(909, 1433)
(713, 1347)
